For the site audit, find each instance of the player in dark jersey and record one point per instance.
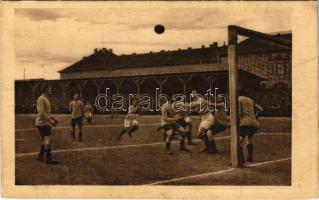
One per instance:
(183, 119)
(220, 123)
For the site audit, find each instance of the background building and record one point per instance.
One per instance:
(264, 68)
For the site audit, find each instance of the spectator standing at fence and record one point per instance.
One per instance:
(76, 108)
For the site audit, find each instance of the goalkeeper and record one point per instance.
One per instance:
(44, 122)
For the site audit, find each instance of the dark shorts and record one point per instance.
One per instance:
(44, 130)
(247, 131)
(182, 123)
(218, 128)
(173, 126)
(76, 121)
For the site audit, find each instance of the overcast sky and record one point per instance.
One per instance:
(48, 40)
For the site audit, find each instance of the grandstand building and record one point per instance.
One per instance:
(262, 66)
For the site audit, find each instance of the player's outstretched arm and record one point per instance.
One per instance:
(258, 108)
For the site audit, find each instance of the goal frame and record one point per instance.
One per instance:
(233, 32)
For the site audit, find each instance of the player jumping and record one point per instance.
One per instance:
(130, 122)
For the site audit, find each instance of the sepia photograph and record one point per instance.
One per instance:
(104, 105)
(144, 95)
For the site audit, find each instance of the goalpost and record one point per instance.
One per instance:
(233, 32)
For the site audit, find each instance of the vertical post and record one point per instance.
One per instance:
(138, 83)
(233, 83)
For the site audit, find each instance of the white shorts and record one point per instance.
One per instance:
(206, 122)
(187, 119)
(128, 123)
(88, 114)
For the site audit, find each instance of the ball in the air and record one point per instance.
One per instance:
(159, 29)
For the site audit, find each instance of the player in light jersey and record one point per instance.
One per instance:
(44, 121)
(130, 122)
(171, 128)
(183, 119)
(248, 110)
(76, 108)
(201, 106)
(88, 111)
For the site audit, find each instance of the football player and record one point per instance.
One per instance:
(201, 106)
(76, 108)
(171, 128)
(130, 122)
(248, 110)
(44, 121)
(220, 123)
(183, 119)
(88, 110)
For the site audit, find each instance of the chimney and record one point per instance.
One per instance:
(104, 50)
(203, 46)
(179, 49)
(151, 52)
(215, 44)
(224, 44)
(189, 48)
(95, 50)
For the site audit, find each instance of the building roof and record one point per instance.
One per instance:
(105, 59)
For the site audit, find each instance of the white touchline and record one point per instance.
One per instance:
(88, 126)
(128, 146)
(217, 172)
(111, 147)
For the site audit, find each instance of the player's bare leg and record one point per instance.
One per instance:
(89, 120)
(241, 158)
(250, 148)
(122, 132)
(168, 139)
(73, 132)
(183, 133)
(189, 134)
(80, 132)
(211, 143)
(42, 150)
(203, 136)
(132, 129)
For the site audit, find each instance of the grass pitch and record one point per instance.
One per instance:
(102, 160)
